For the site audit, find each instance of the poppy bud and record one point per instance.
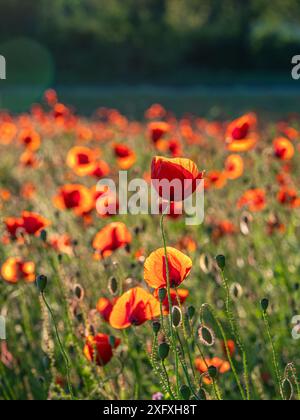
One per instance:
(113, 285)
(162, 293)
(206, 336)
(156, 327)
(191, 312)
(176, 316)
(112, 341)
(163, 351)
(41, 283)
(202, 395)
(221, 261)
(213, 371)
(43, 235)
(185, 392)
(264, 305)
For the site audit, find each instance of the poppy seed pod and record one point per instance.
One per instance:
(206, 336)
(113, 285)
(41, 283)
(43, 235)
(176, 316)
(163, 351)
(213, 372)
(79, 292)
(112, 340)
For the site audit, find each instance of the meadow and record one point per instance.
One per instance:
(142, 307)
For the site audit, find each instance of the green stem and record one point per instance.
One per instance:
(235, 331)
(275, 361)
(63, 352)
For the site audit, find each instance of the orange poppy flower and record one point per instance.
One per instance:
(222, 229)
(82, 160)
(241, 135)
(175, 148)
(74, 197)
(101, 169)
(30, 139)
(8, 131)
(157, 130)
(15, 269)
(126, 157)
(99, 350)
(230, 346)
(283, 148)
(255, 200)
(155, 270)
(104, 307)
(29, 159)
(215, 179)
(203, 365)
(234, 167)
(183, 171)
(111, 238)
(274, 225)
(178, 294)
(50, 97)
(134, 308)
(62, 244)
(187, 244)
(155, 111)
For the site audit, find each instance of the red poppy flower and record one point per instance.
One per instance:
(181, 171)
(288, 197)
(155, 269)
(111, 238)
(283, 149)
(74, 197)
(134, 308)
(82, 160)
(241, 135)
(33, 223)
(15, 269)
(158, 130)
(99, 350)
(215, 179)
(203, 365)
(234, 167)
(30, 139)
(104, 307)
(255, 200)
(126, 157)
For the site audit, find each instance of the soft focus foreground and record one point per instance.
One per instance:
(145, 307)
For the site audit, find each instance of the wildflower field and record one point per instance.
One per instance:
(102, 306)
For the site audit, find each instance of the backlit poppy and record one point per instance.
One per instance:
(15, 269)
(134, 308)
(74, 197)
(155, 270)
(203, 365)
(30, 139)
(241, 135)
(183, 172)
(254, 199)
(234, 167)
(126, 157)
(82, 160)
(104, 307)
(99, 350)
(111, 238)
(283, 148)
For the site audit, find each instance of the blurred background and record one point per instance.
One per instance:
(195, 55)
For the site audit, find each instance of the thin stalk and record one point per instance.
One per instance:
(274, 355)
(63, 352)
